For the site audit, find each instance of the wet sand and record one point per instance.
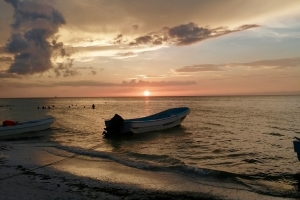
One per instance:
(31, 170)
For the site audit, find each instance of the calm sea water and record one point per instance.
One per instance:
(245, 140)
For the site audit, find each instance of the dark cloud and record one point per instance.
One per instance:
(141, 83)
(142, 40)
(35, 23)
(66, 70)
(135, 27)
(283, 63)
(188, 33)
(92, 70)
(152, 39)
(119, 39)
(185, 34)
(127, 54)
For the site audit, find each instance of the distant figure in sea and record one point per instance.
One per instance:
(93, 106)
(38, 107)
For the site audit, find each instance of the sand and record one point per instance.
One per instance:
(31, 170)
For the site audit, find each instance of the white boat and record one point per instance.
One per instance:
(159, 121)
(27, 126)
(297, 147)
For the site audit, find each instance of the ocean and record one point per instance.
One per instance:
(241, 141)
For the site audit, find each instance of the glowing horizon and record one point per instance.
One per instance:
(194, 53)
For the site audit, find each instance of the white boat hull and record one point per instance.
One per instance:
(25, 127)
(140, 125)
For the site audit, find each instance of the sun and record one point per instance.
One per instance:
(146, 93)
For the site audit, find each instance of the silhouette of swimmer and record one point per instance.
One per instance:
(93, 106)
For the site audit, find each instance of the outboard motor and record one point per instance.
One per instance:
(115, 127)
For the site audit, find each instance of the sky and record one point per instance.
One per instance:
(112, 48)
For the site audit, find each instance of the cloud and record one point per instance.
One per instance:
(283, 63)
(35, 23)
(200, 68)
(119, 39)
(135, 27)
(4, 74)
(85, 83)
(92, 70)
(6, 59)
(141, 83)
(90, 83)
(126, 55)
(80, 83)
(152, 76)
(275, 64)
(185, 34)
(120, 16)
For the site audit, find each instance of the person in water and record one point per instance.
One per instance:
(93, 106)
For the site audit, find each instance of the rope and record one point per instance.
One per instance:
(39, 167)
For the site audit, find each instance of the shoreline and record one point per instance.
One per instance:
(40, 171)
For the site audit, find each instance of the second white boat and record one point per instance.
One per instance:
(25, 127)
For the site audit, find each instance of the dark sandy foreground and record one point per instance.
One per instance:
(35, 171)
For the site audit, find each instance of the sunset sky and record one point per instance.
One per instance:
(94, 48)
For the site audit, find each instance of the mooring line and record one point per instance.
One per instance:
(39, 167)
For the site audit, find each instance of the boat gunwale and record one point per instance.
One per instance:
(28, 124)
(154, 120)
(137, 120)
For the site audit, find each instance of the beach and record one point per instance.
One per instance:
(31, 170)
(226, 148)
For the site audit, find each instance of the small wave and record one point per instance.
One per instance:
(233, 155)
(281, 129)
(174, 165)
(217, 151)
(161, 159)
(281, 185)
(171, 161)
(252, 160)
(106, 155)
(162, 162)
(214, 124)
(204, 128)
(275, 134)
